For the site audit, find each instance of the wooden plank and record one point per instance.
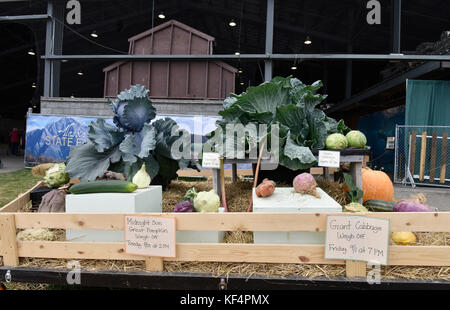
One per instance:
(20, 201)
(419, 255)
(154, 263)
(433, 157)
(235, 221)
(443, 157)
(8, 243)
(412, 155)
(228, 252)
(355, 269)
(423, 156)
(202, 252)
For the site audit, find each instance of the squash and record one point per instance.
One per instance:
(376, 185)
(377, 205)
(104, 186)
(403, 238)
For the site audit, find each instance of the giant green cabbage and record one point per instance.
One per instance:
(290, 104)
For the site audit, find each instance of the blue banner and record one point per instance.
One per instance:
(49, 137)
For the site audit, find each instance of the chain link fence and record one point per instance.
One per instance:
(422, 155)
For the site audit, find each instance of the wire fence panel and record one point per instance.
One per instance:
(422, 155)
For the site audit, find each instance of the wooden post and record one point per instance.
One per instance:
(443, 157)
(356, 172)
(433, 157)
(8, 242)
(355, 269)
(154, 263)
(423, 156)
(234, 173)
(216, 181)
(412, 155)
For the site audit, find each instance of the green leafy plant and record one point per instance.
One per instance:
(134, 141)
(355, 192)
(290, 104)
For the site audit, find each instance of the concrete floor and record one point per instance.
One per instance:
(437, 197)
(10, 162)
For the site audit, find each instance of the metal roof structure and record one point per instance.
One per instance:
(347, 52)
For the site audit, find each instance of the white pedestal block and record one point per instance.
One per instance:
(193, 236)
(284, 199)
(186, 236)
(140, 201)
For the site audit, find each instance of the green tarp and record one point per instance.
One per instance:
(427, 103)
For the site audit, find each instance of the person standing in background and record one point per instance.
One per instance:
(14, 139)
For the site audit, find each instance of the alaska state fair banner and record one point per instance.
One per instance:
(49, 137)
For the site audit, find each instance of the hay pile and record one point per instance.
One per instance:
(238, 197)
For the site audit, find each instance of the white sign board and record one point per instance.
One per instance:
(329, 159)
(357, 238)
(150, 236)
(211, 160)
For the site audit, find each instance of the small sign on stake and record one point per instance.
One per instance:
(211, 160)
(329, 159)
(357, 238)
(150, 236)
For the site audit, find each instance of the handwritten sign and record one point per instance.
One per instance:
(211, 160)
(357, 238)
(329, 159)
(150, 236)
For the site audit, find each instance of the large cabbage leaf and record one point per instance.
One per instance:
(86, 163)
(258, 104)
(138, 145)
(296, 157)
(104, 136)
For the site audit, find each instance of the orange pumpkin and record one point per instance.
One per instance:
(376, 185)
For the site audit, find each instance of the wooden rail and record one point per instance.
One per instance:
(11, 249)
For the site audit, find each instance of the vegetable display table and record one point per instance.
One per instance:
(356, 158)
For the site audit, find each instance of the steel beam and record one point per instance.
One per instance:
(396, 25)
(19, 18)
(385, 85)
(286, 57)
(269, 39)
(53, 47)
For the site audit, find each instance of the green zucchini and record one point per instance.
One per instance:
(376, 205)
(104, 186)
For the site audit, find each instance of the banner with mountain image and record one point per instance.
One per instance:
(49, 137)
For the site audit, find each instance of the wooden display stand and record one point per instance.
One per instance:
(355, 157)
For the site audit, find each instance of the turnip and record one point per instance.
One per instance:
(410, 206)
(305, 184)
